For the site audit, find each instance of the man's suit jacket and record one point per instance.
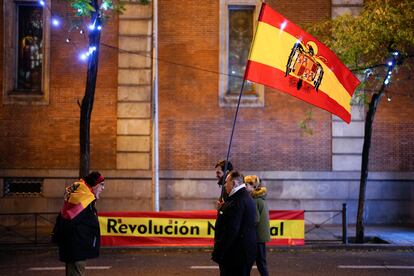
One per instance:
(235, 231)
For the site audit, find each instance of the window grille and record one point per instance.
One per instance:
(23, 186)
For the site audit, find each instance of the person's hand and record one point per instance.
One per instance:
(219, 203)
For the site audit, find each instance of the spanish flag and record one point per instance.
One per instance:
(77, 197)
(285, 57)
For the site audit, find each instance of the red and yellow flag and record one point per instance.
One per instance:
(285, 57)
(77, 197)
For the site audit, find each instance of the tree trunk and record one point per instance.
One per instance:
(375, 100)
(87, 101)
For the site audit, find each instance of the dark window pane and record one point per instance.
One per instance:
(22, 186)
(240, 38)
(30, 43)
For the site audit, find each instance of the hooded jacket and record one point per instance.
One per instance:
(262, 215)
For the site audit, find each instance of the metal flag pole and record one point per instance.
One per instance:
(234, 123)
(231, 139)
(235, 116)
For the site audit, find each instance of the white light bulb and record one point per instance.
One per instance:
(42, 3)
(55, 22)
(83, 56)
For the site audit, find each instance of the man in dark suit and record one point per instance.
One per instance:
(235, 230)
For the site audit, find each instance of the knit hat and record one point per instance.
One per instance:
(93, 179)
(253, 180)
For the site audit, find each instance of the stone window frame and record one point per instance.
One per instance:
(256, 100)
(10, 46)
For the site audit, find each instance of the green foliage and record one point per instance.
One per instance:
(84, 8)
(367, 39)
(304, 125)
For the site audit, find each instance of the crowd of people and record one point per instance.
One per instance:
(241, 228)
(242, 224)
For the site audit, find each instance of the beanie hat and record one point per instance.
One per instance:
(252, 180)
(94, 178)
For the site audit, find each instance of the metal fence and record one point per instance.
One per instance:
(26, 228)
(35, 228)
(322, 231)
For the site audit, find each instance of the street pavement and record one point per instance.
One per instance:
(281, 261)
(323, 254)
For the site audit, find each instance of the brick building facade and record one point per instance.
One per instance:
(318, 171)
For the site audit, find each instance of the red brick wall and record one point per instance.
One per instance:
(46, 136)
(392, 146)
(303, 12)
(195, 131)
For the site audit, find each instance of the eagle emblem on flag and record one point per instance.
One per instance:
(304, 65)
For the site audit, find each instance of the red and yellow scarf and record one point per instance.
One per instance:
(77, 197)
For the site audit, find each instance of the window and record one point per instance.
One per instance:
(22, 186)
(237, 26)
(26, 52)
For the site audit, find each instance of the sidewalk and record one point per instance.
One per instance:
(390, 237)
(378, 236)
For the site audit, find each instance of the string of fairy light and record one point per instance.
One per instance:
(393, 60)
(56, 22)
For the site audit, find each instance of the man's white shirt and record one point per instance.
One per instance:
(235, 189)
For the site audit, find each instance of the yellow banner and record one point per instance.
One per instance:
(187, 228)
(160, 227)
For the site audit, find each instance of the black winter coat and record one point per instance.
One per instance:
(79, 239)
(235, 231)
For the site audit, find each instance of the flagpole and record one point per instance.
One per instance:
(231, 139)
(234, 121)
(237, 111)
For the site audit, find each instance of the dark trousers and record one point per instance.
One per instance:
(261, 259)
(75, 268)
(242, 270)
